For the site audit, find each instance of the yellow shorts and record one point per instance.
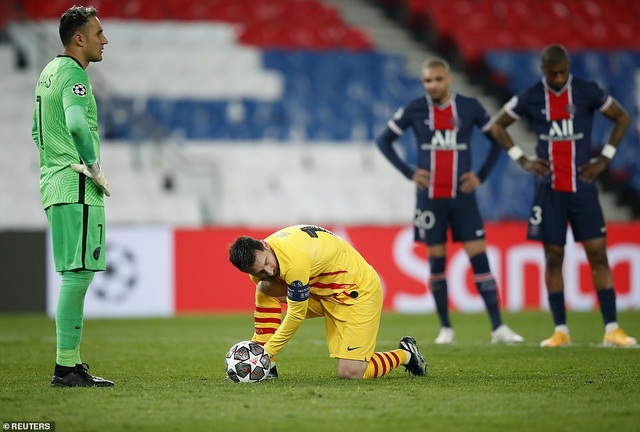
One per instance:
(351, 330)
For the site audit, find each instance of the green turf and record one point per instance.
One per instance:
(169, 377)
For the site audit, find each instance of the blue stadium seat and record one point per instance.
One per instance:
(116, 116)
(592, 65)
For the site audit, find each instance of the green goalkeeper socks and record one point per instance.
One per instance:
(69, 314)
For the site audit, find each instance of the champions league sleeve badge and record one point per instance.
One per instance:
(79, 90)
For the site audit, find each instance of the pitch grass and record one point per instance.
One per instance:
(169, 377)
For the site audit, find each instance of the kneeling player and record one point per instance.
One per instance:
(323, 276)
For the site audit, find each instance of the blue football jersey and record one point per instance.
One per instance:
(443, 136)
(562, 121)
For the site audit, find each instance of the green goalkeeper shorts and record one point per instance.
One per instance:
(78, 236)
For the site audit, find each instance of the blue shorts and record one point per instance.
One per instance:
(552, 211)
(433, 216)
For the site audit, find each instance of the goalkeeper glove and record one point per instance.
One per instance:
(95, 173)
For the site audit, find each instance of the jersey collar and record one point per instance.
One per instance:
(72, 58)
(566, 85)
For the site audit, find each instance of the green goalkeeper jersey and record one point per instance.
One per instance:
(63, 83)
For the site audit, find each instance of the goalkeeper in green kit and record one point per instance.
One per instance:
(72, 183)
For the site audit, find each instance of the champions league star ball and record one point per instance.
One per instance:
(247, 361)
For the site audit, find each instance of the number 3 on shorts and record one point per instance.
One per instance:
(536, 215)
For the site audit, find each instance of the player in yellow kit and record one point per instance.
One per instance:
(324, 276)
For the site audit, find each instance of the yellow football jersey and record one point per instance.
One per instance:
(315, 262)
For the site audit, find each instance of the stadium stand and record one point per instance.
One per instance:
(224, 101)
(252, 99)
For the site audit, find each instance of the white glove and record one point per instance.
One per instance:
(95, 173)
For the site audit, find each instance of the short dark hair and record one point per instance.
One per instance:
(73, 20)
(242, 253)
(554, 54)
(436, 61)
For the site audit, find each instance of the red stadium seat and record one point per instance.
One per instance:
(356, 40)
(111, 8)
(287, 24)
(141, 10)
(37, 9)
(474, 26)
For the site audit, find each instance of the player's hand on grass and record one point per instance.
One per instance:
(95, 173)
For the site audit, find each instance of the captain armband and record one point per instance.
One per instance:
(515, 153)
(298, 291)
(608, 151)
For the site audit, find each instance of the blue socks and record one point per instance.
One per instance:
(607, 299)
(557, 306)
(439, 289)
(487, 288)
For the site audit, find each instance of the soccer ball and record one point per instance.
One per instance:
(247, 361)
